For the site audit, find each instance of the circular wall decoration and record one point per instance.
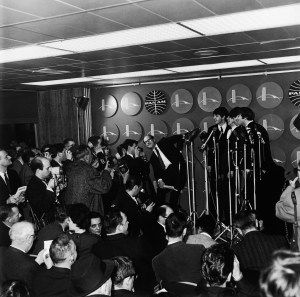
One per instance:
(209, 99)
(273, 124)
(182, 101)
(239, 95)
(182, 126)
(206, 123)
(294, 92)
(269, 95)
(111, 131)
(295, 132)
(156, 102)
(278, 155)
(108, 106)
(131, 103)
(295, 156)
(158, 129)
(132, 130)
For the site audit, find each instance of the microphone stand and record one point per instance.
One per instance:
(229, 189)
(216, 152)
(236, 179)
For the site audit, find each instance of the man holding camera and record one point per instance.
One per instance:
(39, 193)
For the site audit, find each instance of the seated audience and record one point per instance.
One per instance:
(282, 277)
(85, 184)
(178, 262)
(91, 277)
(117, 243)
(205, 228)
(79, 222)
(14, 288)
(95, 224)
(155, 233)
(15, 263)
(219, 265)
(9, 215)
(255, 250)
(53, 230)
(123, 277)
(56, 280)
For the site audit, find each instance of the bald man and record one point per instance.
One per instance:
(15, 264)
(40, 193)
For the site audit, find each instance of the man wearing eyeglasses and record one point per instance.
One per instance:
(169, 168)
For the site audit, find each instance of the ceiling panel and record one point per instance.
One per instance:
(92, 4)
(137, 50)
(10, 17)
(141, 17)
(220, 51)
(168, 46)
(269, 34)
(229, 6)
(234, 38)
(7, 43)
(177, 10)
(294, 31)
(48, 9)
(271, 3)
(198, 43)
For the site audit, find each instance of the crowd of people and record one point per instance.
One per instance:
(77, 220)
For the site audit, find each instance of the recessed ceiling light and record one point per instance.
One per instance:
(60, 81)
(29, 52)
(206, 52)
(134, 74)
(280, 60)
(216, 66)
(50, 71)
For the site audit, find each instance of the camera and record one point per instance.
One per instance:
(123, 168)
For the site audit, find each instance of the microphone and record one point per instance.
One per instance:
(191, 135)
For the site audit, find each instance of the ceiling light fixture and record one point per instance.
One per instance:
(61, 81)
(30, 52)
(280, 60)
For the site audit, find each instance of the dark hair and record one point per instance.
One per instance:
(175, 224)
(36, 164)
(282, 277)
(45, 148)
(217, 263)
(94, 215)
(60, 213)
(67, 140)
(206, 223)
(27, 154)
(123, 268)
(55, 149)
(129, 142)
(133, 180)
(245, 219)
(94, 140)
(234, 112)
(120, 149)
(6, 211)
(59, 248)
(12, 288)
(247, 113)
(111, 220)
(80, 151)
(80, 215)
(221, 111)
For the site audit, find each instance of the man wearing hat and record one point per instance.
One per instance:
(91, 277)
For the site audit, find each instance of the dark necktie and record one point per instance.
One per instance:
(161, 162)
(7, 182)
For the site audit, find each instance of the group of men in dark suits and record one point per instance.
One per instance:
(238, 152)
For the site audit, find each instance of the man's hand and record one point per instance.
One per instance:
(161, 183)
(236, 272)
(69, 155)
(150, 207)
(51, 184)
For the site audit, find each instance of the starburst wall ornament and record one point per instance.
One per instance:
(156, 102)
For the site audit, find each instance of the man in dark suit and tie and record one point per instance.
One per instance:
(40, 193)
(9, 180)
(169, 167)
